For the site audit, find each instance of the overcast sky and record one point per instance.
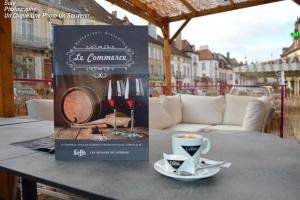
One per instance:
(257, 33)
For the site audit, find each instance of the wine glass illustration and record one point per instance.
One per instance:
(133, 90)
(115, 93)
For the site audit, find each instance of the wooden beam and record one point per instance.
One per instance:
(232, 3)
(167, 58)
(8, 186)
(134, 10)
(179, 30)
(220, 9)
(297, 2)
(142, 6)
(189, 6)
(6, 68)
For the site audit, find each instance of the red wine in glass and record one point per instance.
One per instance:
(111, 103)
(115, 92)
(133, 90)
(130, 103)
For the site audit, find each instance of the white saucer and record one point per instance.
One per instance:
(200, 174)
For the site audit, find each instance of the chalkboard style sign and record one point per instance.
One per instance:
(101, 92)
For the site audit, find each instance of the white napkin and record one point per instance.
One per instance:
(186, 166)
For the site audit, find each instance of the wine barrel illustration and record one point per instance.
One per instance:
(80, 105)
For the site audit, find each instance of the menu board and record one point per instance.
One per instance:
(101, 92)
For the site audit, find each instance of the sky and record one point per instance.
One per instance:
(254, 34)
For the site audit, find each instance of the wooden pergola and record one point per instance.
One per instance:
(163, 12)
(159, 12)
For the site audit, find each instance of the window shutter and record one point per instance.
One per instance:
(36, 29)
(19, 26)
(38, 67)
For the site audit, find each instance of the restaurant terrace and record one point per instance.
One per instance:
(273, 172)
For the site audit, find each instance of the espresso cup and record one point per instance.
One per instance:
(192, 145)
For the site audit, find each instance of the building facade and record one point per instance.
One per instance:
(156, 59)
(181, 65)
(294, 49)
(33, 37)
(208, 65)
(225, 68)
(181, 69)
(190, 50)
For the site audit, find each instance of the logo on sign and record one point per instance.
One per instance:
(79, 152)
(87, 55)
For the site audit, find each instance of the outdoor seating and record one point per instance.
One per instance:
(140, 100)
(199, 113)
(41, 109)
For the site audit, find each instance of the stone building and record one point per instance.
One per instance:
(208, 65)
(33, 37)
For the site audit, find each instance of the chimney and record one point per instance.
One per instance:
(193, 47)
(228, 55)
(126, 20)
(114, 13)
(152, 30)
(202, 47)
(178, 42)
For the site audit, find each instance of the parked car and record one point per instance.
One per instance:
(251, 91)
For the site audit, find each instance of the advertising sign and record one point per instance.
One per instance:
(101, 92)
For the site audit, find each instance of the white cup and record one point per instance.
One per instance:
(192, 145)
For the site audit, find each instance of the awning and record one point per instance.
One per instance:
(286, 64)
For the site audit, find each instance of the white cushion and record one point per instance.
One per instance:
(172, 104)
(235, 109)
(255, 115)
(182, 127)
(158, 116)
(268, 102)
(42, 109)
(202, 109)
(227, 128)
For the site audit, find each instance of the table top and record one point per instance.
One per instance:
(20, 132)
(16, 120)
(263, 167)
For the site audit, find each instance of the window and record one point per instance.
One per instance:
(149, 52)
(28, 67)
(18, 26)
(160, 70)
(151, 69)
(203, 67)
(173, 70)
(50, 31)
(27, 29)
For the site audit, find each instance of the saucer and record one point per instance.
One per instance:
(159, 166)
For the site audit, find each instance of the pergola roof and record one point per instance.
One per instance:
(165, 11)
